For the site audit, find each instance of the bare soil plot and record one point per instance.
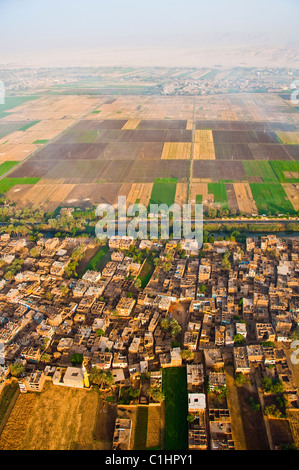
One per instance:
(233, 151)
(258, 126)
(176, 150)
(85, 195)
(280, 431)
(268, 152)
(155, 426)
(146, 171)
(219, 170)
(181, 194)
(244, 137)
(46, 196)
(16, 152)
(231, 196)
(69, 151)
(34, 168)
(244, 198)
(248, 426)
(133, 151)
(293, 151)
(162, 124)
(76, 171)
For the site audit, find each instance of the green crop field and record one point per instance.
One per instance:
(99, 260)
(260, 168)
(220, 194)
(280, 167)
(41, 141)
(174, 387)
(147, 271)
(141, 428)
(6, 166)
(163, 191)
(271, 198)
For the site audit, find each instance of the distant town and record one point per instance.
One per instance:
(148, 80)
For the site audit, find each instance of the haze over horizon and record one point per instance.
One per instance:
(170, 33)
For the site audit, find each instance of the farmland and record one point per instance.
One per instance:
(74, 420)
(163, 191)
(89, 149)
(176, 408)
(271, 198)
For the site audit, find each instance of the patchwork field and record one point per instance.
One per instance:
(86, 149)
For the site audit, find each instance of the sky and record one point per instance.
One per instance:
(35, 29)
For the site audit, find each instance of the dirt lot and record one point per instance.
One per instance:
(248, 427)
(244, 198)
(59, 418)
(155, 426)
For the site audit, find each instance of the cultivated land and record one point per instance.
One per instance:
(78, 145)
(74, 420)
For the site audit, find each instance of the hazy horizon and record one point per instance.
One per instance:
(171, 33)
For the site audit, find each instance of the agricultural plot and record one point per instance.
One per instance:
(287, 172)
(220, 194)
(245, 201)
(204, 151)
(6, 166)
(7, 183)
(178, 151)
(46, 196)
(131, 124)
(292, 151)
(289, 138)
(164, 191)
(231, 197)
(199, 193)
(203, 136)
(8, 128)
(260, 170)
(181, 194)
(292, 191)
(140, 192)
(271, 198)
(216, 170)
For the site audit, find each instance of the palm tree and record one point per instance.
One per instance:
(101, 377)
(156, 395)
